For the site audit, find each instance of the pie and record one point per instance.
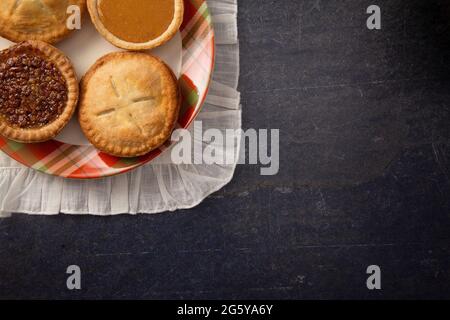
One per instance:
(38, 91)
(129, 103)
(137, 24)
(44, 20)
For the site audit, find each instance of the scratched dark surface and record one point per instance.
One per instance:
(364, 179)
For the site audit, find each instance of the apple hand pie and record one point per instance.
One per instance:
(137, 24)
(129, 104)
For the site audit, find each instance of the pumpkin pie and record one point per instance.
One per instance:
(129, 103)
(44, 20)
(38, 91)
(137, 24)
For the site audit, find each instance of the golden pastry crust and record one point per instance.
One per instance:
(63, 64)
(129, 103)
(43, 20)
(165, 37)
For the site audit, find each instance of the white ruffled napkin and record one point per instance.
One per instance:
(157, 187)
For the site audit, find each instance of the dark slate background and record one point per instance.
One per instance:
(364, 179)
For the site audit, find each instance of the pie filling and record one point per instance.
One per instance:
(33, 92)
(137, 21)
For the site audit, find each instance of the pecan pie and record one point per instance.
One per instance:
(38, 91)
(44, 20)
(137, 24)
(129, 103)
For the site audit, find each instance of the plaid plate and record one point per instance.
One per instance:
(85, 162)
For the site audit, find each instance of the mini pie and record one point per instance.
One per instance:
(44, 20)
(129, 104)
(137, 24)
(38, 91)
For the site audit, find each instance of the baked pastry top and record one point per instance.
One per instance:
(38, 91)
(129, 104)
(44, 20)
(137, 24)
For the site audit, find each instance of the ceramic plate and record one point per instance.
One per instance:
(190, 55)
